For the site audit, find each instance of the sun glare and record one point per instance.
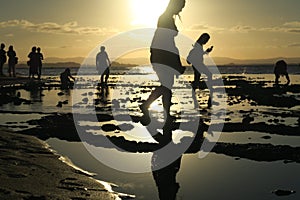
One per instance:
(146, 12)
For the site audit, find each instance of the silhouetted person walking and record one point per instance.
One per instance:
(65, 77)
(280, 69)
(195, 58)
(34, 61)
(102, 64)
(12, 61)
(2, 58)
(164, 58)
(41, 57)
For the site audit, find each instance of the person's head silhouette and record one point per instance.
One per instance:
(67, 70)
(203, 39)
(38, 49)
(33, 49)
(175, 6)
(2, 45)
(102, 48)
(10, 48)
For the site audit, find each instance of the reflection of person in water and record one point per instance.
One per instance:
(65, 79)
(102, 94)
(165, 177)
(280, 69)
(164, 58)
(102, 64)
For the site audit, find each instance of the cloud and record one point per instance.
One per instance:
(288, 27)
(242, 29)
(9, 23)
(293, 24)
(9, 35)
(294, 30)
(294, 45)
(201, 27)
(197, 27)
(64, 47)
(55, 28)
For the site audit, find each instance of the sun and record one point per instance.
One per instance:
(146, 12)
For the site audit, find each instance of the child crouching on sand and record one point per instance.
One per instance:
(280, 69)
(65, 77)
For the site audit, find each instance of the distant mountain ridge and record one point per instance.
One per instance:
(62, 60)
(232, 61)
(145, 60)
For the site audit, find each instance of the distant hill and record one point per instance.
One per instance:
(232, 61)
(53, 65)
(223, 61)
(72, 65)
(63, 60)
(75, 61)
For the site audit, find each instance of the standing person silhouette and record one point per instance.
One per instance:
(12, 61)
(33, 62)
(41, 57)
(102, 64)
(165, 59)
(2, 58)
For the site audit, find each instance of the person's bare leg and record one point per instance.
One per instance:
(288, 79)
(166, 100)
(155, 94)
(14, 71)
(277, 79)
(106, 77)
(102, 77)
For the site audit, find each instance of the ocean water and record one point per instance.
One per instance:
(238, 69)
(213, 177)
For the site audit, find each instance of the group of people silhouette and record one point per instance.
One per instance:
(34, 62)
(165, 60)
(12, 60)
(102, 66)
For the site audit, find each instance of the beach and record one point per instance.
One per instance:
(150, 100)
(30, 170)
(259, 139)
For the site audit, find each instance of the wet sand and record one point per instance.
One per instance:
(29, 170)
(8, 81)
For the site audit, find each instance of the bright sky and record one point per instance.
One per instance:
(71, 28)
